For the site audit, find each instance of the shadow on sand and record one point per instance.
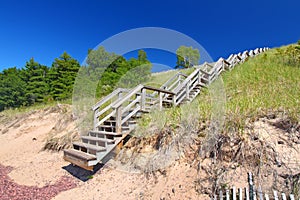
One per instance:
(82, 174)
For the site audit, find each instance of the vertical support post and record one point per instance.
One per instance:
(160, 96)
(119, 116)
(199, 76)
(179, 79)
(187, 89)
(250, 181)
(174, 100)
(119, 119)
(143, 99)
(95, 120)
(223, 65)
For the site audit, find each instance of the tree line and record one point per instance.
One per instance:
(37, 83)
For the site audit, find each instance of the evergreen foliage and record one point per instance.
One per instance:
(12, 93)
(37, 83)
(61, 76)
(35, 77)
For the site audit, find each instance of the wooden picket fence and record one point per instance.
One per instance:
(251, 193)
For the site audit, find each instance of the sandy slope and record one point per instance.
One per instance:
(21, 148)
(23, 138)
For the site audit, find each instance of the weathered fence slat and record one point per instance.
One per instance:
(233, 193)
(260, 194)
(227, 195)
(275, 195)
(240, 194)
(247, 193)
(283, 196)
(266, 196)
(221, 195)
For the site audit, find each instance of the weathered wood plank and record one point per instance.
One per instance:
(227, 195)
(108, 97)
(260, 194)
(283, 196)
(135, 101)
(247, 194)
(79, 154)
(275, 195)
(266, 196)
(138, 108)
(127, 97)
(240, 194)
(233, 193)
(221, 194)
(158, 90)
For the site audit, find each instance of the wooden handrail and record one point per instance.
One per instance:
(175, 86)
(183, 84)
(119, 102)
(158, 90)
(108, 97)
(170, 80)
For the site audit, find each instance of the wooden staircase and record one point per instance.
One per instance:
(114, 115)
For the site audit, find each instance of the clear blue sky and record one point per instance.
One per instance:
(45, 29)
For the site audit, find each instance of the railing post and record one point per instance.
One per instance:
(187, 89)
(160, 96)
(95, 120)
(119, 119)
(174, 100)
(143, 99)
(178, 78)
(223, 65)
(199, 77)
(119, 116)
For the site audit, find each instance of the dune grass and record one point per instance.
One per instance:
(260, 86)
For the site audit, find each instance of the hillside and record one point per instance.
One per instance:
(173, 155)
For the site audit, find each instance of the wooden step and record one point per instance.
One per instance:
(79, 154)
(112, 127)
(89, 146)
(79, 158)
(106, 133)
(97, 139)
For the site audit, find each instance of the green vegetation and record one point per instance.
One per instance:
(36, 83)
(61, 76)
(264, 85)
(110, 71)
(187, 57)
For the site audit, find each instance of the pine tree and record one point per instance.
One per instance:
(12, 93)
(62, 75)
(35, 77)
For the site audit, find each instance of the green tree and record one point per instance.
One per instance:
(142, 56)
(61, 76)
(36, 88)
(109, 68)
(187, 57)
(99, 59)
(12, 92)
